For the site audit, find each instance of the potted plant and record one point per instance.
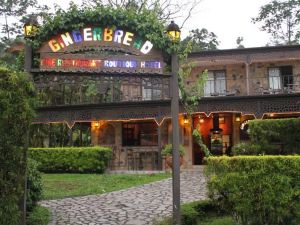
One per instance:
(168, 151)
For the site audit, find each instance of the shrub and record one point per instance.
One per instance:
(34, 184)
(192, 213)
(247, 149)
(39, 216)
(258, 190)
(167, 151)
(276, 136)
(16, 112)
(82, 159)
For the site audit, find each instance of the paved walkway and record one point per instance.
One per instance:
(134, 206)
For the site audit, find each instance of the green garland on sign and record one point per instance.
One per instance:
(144, 23)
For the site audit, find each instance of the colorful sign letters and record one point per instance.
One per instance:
(97, 34)
(56, 63)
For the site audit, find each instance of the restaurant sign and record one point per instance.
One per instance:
(97, 49)
(98, 34)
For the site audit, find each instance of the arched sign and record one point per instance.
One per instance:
(97, 49)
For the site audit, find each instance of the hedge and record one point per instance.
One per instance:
(276, 136)
(257, 190)
(70, 159)
(16, 112)
(196, 212)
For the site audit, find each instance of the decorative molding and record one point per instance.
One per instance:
(158, 110)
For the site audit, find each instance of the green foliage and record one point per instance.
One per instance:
(199, 141)
(17, 9)
(190, 93)
(197, 212)
(82, 159)
(281, 20)
(276, 136)
(34, 184)
(167, 151)
(143, 23)
(12, 61)
(247, 149)
(16, 112)
(39, 216)
(257, 190)
(202, 40)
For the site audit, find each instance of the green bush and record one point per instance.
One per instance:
(39, 216)
(82, 159)
(34, 184)
(16, 111)
(167, 151)
(247, 149)
(276, 136)
(192, 213)
(258, 190)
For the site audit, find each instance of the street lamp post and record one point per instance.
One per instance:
(30, 29)
(174, 32)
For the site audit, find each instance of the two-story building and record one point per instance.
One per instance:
(126, 103)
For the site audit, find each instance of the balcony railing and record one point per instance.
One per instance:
(67, 91)
(94, 90)
(257, 86)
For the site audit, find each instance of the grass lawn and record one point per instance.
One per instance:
(57, 186)
(39, 216)
(226, 220)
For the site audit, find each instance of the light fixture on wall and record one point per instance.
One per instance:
(96, 124)
(238, 118)
(201, 119)
(185, 119)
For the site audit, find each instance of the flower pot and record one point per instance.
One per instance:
(170, 163)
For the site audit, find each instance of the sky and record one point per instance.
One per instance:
(228, 19)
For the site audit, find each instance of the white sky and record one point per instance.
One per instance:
(228, 19)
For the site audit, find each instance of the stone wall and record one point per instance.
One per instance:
(258, 75)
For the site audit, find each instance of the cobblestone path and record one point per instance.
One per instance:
(134, 206)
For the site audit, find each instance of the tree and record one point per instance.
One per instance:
(281, 19)
(164, 9)
(16, 103)
(17, 9)
(202, 40)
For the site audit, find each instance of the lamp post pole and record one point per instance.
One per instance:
(175, 141)
(30, 28)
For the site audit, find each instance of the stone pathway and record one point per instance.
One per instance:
(134, 206)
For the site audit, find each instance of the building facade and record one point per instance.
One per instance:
(116, 93)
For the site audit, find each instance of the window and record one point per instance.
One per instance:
(147, 89)
(139, 134)
(215, 83)
(280, 77)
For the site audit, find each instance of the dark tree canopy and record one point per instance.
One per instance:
(281, 19)
(202, 40)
